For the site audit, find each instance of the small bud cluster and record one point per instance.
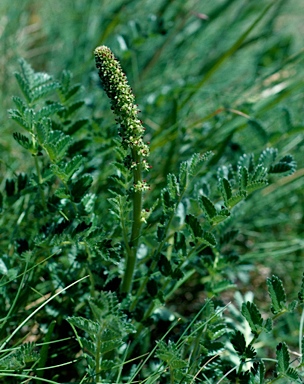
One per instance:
(116, 86)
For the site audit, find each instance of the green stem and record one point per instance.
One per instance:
(136, 228)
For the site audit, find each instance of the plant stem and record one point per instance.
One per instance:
(136, 228)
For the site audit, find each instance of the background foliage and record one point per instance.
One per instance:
(208, 76)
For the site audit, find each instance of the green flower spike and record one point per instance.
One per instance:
(116, 86)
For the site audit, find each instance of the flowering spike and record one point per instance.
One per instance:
(116, 86)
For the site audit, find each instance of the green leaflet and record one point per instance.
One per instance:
(89, 326)
(208, 207)
(195, 226)
(253, 316)
(283, 367)
(239, 344)
(277, 294)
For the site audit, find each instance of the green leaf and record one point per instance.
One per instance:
(253, 316)
(170, 354)
(26, 119)
(10, 187)
(238, 341)
(25, 88)
(221, 216)
(180, 243)
(246, 161)
(256, 185)
(107, 346)
(73, 165)
(277, 294)
(167, 203)
(239, 344)
(57, 145)
(195, 226)
(107, 303)
(258, 371)
(62, 193)
(72, 108)
(41, 90)
(208, 207)
(20, 104)
(86, 325)
(22, 181)
(76, 126)
(283, 367)
(259, 173)
(243, 178)
(236, 198)
(23, 141)
(183, 175)
(164, 265)
(268, 325)
(292, 306)
(267, 157)
(286, 164)
(88, 345)
(72, 91)
(48, 110)
(173, 187)
(226, 190)
(43, 130)
(209, 239)
(301, 292)
(196, 160)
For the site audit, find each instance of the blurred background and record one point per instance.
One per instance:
(221, 75)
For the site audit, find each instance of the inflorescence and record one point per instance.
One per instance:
(116, 86)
